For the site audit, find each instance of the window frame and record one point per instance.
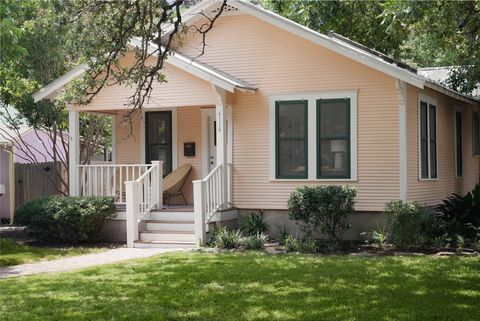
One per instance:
(319, 139)
(278, 139)
(475, 139)
(430, 102)
(312, 98)
(458, 110)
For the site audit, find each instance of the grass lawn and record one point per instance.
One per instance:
(252, 286)
(12, 253)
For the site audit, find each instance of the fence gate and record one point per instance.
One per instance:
(37, 180)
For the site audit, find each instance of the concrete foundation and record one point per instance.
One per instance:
(280, 223)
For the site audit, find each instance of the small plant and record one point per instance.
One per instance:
(380, 237)
(254, 242)
(254, 224)
(460, 240)
(226, 239)
(303, 245)
(283, 233)
(322, 209)
(404, 223)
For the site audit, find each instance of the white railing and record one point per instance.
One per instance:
(109, 179)
(143, 195)
(211, 194)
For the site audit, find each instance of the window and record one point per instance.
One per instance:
(333, 138)
(313, 136)
(158, 135)
(458, 144)
(428, 140)
(476, 133)
(291, 139)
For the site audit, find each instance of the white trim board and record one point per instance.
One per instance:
(403, 175)
(312, 133)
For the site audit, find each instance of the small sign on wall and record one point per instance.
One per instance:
(189, 149)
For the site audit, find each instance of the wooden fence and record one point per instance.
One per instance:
(37, 180)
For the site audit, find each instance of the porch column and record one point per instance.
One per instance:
(222, 138)
(73, 152)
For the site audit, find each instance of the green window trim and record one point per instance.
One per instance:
(458, 144)
(428, 155)
(348, 138)
(168, 144)
(279, 139)
(476, 133)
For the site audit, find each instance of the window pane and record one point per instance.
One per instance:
(433, 160)
(424, 159)
(291, 120)
(334, 118)
(423, 140)
(159, 128)
(423, 120)
(334, 158)
(476, 132)
(433, 123)
(458, 143)
(160, 152)
(291, 162)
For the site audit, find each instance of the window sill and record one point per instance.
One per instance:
(428, 179)
(314, 180)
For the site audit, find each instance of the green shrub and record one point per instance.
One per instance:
(459, 213)
(254, 224)
(254, 242)
(65, 219)
(404, 223)
(322, 208)
(226, 239)
(303, 245)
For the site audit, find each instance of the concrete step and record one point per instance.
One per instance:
(170, 216)
(154, 235)
(165, 244)
(184, 226)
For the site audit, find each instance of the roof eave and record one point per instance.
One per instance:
(451, 93)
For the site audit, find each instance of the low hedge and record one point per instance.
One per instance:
(65, 219)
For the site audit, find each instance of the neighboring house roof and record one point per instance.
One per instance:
(334, 42)
(7, 134)
(441, 75)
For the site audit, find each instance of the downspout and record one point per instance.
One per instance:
(11, 182)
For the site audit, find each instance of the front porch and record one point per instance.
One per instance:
(161, 142)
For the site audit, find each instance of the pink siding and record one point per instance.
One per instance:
(188, 130)
(36, 146)
(432, 192)
(281, 63)
(5, 180)
(181, 89)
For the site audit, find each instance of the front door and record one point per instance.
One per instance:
(211, 139)
(158, 138)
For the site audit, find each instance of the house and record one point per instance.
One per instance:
(270, 106)
(24, 145)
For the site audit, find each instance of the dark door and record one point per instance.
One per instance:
(158, 134)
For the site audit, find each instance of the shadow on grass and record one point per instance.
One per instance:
(252, 287)
(14, 253)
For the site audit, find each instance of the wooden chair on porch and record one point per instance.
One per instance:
(173, 182)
